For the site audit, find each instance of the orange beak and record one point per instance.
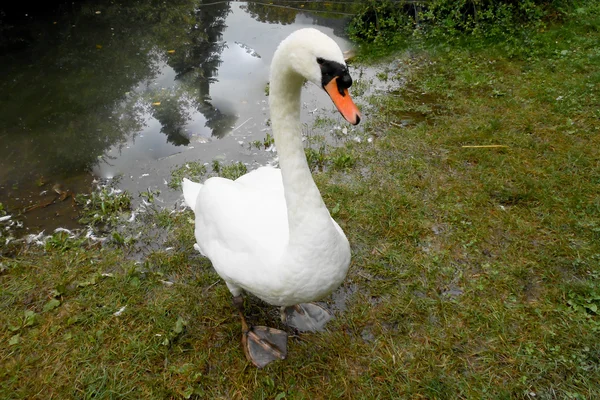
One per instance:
(344, 102)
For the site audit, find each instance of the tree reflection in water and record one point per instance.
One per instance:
(94, 85)
(79, 82)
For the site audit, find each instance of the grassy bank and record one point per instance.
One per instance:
(475, 270)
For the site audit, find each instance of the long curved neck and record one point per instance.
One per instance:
(304, 202)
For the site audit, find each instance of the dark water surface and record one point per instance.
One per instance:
(97, 90)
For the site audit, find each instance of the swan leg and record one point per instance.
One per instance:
(261, 344)
(307, 317)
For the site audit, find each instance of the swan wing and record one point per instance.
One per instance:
(242, 226)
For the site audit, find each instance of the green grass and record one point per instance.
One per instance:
(475, 271)
(230, 171)
(192, 170)
(198, 172)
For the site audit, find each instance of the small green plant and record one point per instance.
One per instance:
(191, 170)
(103, 207)
(316, 158)
(255, 144)
(360, 86)
(123, 241)
(267, 89)
(313, 139)
(587, 304)
(382, 76)
(322, 122)
(233, 170)
(30, 318)
(268, 141)
(176, 332)
(149, 195)
(343, 161)
(62, 242)
(216, 166)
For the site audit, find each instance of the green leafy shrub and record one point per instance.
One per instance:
(381, 22)
(391, 22)
(483, 18)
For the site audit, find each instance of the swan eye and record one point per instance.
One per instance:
(345, 81)
(331, 70)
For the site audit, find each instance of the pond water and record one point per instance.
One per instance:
(117, 90)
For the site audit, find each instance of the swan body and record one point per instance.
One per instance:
(269, 232)
(244, 231)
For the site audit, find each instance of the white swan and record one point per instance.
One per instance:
(269, 232)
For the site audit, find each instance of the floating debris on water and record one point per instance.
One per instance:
(248, 49)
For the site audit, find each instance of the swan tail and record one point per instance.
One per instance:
(190, 192)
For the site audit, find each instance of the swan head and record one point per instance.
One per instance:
(318, 59)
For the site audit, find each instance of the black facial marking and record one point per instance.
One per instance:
(332, 69)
